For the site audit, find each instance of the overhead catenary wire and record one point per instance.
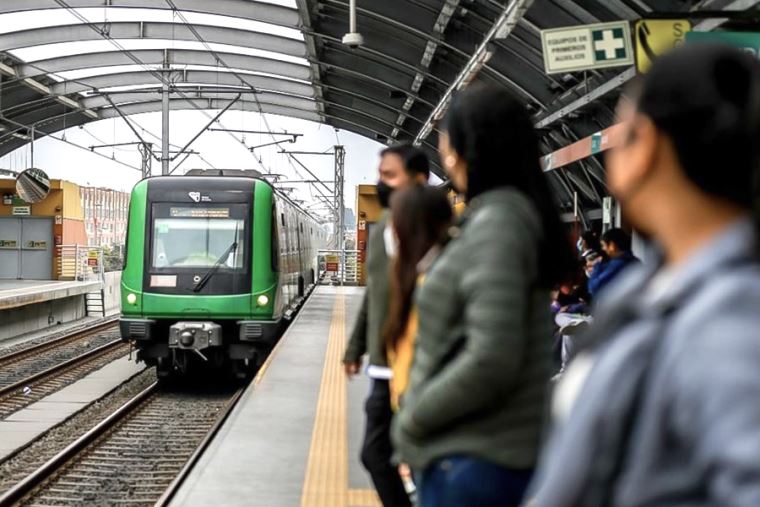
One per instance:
(101, 30)
(156, 73)
(221, 61)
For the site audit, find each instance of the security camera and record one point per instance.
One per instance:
(353, 40)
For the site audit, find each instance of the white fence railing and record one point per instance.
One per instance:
(339, 267)
(79, 262)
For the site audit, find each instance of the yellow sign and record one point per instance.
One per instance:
(332, 262)
(657, 36)
(92, 254)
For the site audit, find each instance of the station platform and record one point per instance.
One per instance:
(15, 293)
(294, 438)
(31, 306)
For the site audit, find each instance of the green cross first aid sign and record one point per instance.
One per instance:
(586, 47)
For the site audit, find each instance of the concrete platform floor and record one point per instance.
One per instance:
(295, 436)
(15, 293)
(26, 425)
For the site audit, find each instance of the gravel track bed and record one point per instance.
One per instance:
(54, 334)
(17, 371)
(55, 382)
(137, 459)
(29, 459)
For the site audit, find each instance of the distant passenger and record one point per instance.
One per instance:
(662, 407)
(616, 244)
(589, 246)
(470, 421)
(401, 166)
(421, 217)
(590, 252)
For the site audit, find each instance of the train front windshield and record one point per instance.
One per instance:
(198, 237)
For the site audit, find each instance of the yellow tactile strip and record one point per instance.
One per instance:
(363, 498)
(326, 480)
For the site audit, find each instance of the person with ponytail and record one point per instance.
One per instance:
(661, 407)
(470, 421)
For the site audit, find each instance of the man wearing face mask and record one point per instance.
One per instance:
(401, 166)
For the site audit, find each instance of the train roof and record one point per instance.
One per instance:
(203, 177)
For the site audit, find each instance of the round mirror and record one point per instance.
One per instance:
(32, 185)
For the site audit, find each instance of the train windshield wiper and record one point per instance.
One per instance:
(221, 260)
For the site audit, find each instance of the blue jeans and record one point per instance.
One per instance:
(461, 481)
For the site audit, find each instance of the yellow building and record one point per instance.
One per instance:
(368, 211)
(30, 233)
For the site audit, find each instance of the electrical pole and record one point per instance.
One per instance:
(340, 158)
(165, 157)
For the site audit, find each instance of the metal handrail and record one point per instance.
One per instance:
(344, 271)
(80, 263)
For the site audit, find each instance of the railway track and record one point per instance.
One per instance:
(16, 365)
(138, 455)
(33, 373)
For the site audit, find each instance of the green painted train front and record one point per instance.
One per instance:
(213, 266)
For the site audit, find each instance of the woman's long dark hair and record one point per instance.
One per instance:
(421, 217)
(494, 135)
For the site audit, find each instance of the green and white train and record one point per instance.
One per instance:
(214, 265)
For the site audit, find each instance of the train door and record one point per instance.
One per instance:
(275, 253)
(284, 256)
(302, 241)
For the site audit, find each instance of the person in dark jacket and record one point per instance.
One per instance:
(616, 245)
(470, 422)
(401, 166)
(661, 408)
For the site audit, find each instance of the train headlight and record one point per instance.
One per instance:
(131, 298)
(262, 300)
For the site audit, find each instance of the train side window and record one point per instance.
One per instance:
(282, 217)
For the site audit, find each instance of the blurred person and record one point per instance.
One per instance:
(616, 245)
(661, 408)
(589, 246)
(401, 166)
(590, 253)
(566, 299)
(470, 421)
(571, 314)
(421, 217)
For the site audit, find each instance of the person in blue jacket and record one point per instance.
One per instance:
(660, 406)
(616, 244)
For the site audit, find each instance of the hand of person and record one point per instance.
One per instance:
(352, 368)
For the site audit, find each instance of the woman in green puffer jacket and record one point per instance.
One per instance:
(471, 421)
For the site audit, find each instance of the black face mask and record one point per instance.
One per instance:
(384, 193)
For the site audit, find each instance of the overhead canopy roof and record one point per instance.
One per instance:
(286, 57)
